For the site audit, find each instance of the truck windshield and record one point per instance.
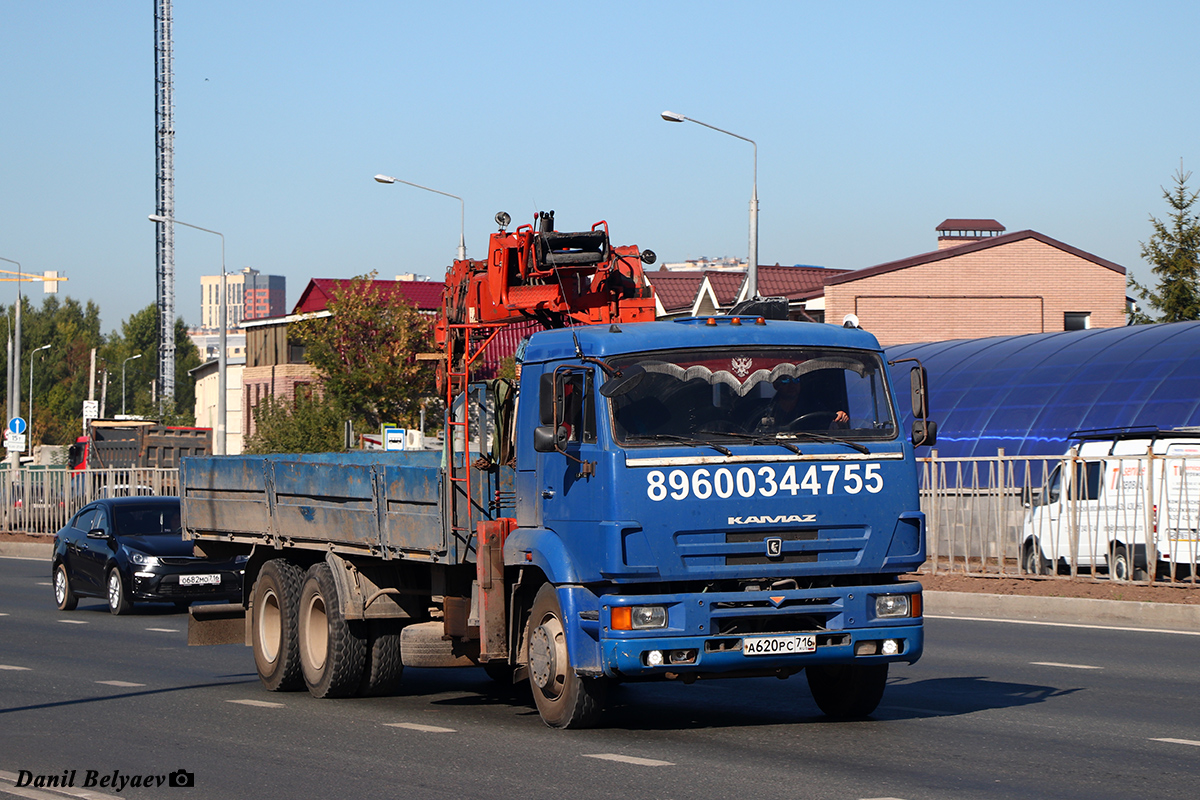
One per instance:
(768, 394)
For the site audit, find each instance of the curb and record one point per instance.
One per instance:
(1065, 610)
(26, 550)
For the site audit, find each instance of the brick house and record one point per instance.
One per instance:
(275, 364)
(981, 282)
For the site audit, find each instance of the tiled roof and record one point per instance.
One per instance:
(963, 249)
(425, 295)
(676, 291)
(794, 283)
(725, 285)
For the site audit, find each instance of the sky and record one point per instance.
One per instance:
(874, 121)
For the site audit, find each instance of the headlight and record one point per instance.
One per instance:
(240, 560)
(143, 560)
(891, 605)
(637, 618)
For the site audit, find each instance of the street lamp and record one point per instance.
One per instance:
(752, 266)
(462, 210)
(31, 352)
(222, 366)
(123, 363)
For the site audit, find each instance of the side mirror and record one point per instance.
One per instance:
(548, 439)
(924, 433)
(920, 392)
(623, 383)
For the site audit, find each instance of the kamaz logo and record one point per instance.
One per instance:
(772, 520)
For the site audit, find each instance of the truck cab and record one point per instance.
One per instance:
(719, 496)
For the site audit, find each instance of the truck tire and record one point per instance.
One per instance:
(383, 668)
(847, 691)
(563, 699)
(273, 625)
(332, 650)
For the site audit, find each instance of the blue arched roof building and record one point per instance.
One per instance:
(1028, 393)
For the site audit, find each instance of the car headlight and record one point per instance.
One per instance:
(638, 618)
(143, 560)
(240, 560)
(892, 605)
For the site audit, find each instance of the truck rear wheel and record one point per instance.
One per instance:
(847, 691)
(332, 650)
(383, 668)
(563, 699)
(274, 627)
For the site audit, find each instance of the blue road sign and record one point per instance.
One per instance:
(16, 425)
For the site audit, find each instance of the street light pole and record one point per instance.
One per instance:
(123, 363)
(31, 353)
(752, 265)
(223, 320)
(462, 210)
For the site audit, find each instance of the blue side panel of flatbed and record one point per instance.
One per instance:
(380, 503)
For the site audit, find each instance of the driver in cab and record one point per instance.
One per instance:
(788, 411)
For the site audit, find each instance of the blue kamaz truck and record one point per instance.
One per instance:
(680, 500)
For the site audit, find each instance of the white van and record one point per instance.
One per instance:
(1112, 499)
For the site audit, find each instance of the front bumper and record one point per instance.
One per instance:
(705, 632)
(163, 584)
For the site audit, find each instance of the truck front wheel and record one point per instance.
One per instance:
(564, 699)
(847, 691)
(332, 650)
(274, 626)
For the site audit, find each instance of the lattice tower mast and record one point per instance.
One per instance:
(164, 119)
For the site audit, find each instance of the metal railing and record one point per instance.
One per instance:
(41, 500)
(1122, 517)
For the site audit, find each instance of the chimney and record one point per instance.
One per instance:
(954, 232)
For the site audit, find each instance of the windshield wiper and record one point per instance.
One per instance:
(670, 437)
(826, 438)
(755, 438)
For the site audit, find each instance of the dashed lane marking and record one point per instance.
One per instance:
(164, 630)
(74, 621)
(1192, 742)
(10, 666)
(1064, 666)
(122, 684)
(641, 762)
(412, 726)
(257, 703)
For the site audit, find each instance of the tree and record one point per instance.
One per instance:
(1174, 255)
(60, 374)
(367, 353)
(139, 335)
(310, 425)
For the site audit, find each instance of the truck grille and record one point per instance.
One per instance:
(760, 537)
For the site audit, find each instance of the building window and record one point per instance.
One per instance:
(1077, 320)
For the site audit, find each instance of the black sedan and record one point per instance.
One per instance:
(132, 548)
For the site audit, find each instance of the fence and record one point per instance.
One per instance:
(1125, 517)
(41, 500)
(1117, 517)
